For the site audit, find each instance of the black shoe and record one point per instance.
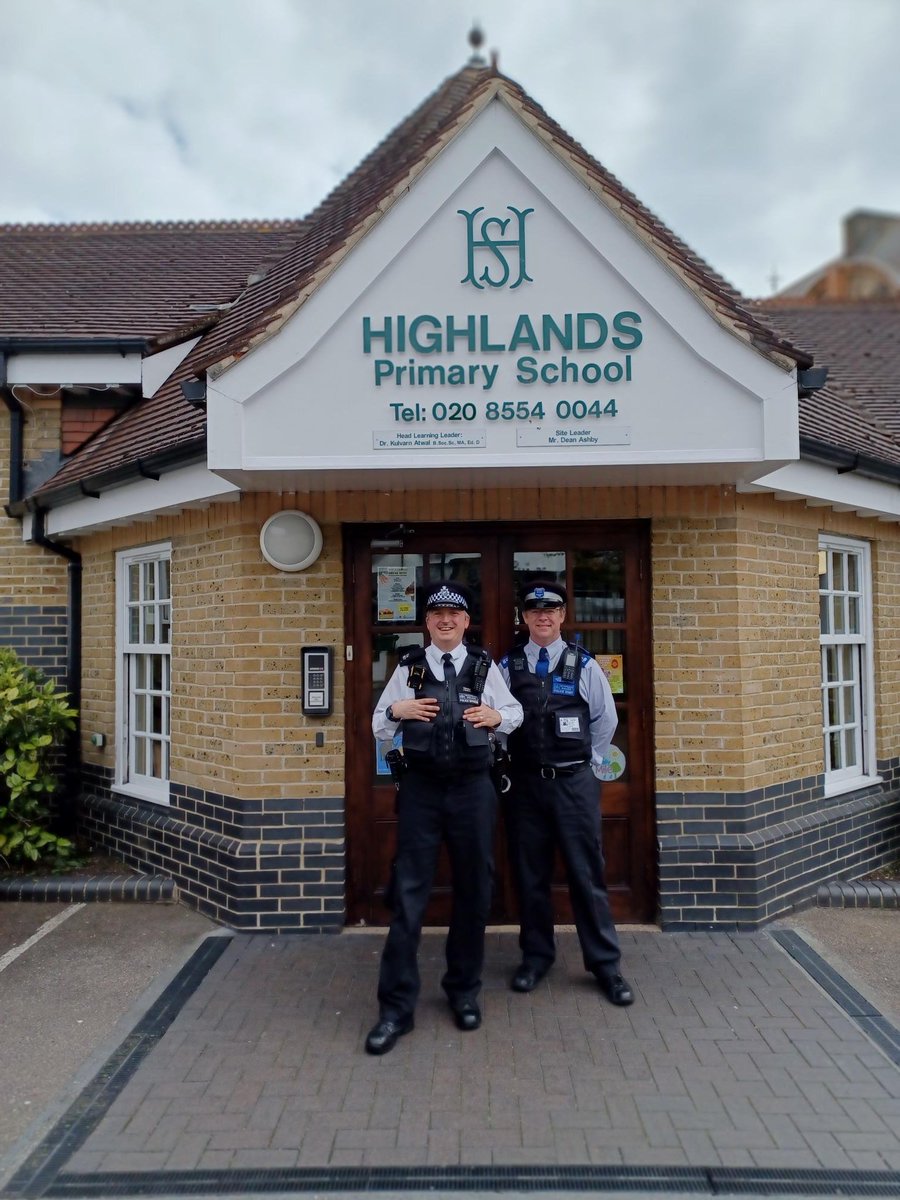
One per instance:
(528, 977)
(383, 1036)
(467, 1015)
(616, 989)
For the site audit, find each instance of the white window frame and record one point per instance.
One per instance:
(131, 732)
(859, 645)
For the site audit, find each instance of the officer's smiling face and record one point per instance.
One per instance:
(544, 624)
(446, 627)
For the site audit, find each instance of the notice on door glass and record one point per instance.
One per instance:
(397, 594)
(613, 668)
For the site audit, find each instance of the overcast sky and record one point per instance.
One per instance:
(750, 127)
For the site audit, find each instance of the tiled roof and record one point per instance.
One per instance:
(165, 422)
(386, 172)
(859, 342)
(150, 281)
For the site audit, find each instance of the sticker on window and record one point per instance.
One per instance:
(613, 764)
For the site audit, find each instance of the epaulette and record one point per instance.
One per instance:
(504, 661)
(412, 654)
(585, 658)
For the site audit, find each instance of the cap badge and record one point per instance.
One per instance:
(446, 596)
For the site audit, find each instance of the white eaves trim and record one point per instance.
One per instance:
(187, 487)
(157, 368)
(71, 368)
(819, 485)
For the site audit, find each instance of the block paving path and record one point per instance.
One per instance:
(731, 1056)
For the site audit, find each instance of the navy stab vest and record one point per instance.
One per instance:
(448, 743)
(556, 729)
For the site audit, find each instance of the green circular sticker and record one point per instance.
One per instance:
(613, 764)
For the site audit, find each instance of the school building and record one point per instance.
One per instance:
(233, 455)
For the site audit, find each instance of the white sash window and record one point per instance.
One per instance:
(144, 606)
(845, 614)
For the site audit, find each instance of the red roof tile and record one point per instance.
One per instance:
(152, 281)
(859, 342)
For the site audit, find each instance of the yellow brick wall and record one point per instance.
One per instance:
(735, 632)
(736, 625)
(735, 650)
(238, 629)
(886, 605)
(28, 574)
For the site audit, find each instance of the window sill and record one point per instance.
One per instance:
(850, 785)
(138, 793)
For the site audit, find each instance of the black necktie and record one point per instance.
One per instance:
(542, 666)
(449, 669)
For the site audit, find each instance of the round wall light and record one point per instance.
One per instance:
(290, 540)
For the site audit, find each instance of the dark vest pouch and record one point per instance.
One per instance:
(570, 724)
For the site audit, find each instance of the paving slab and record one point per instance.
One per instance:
(734, 1064)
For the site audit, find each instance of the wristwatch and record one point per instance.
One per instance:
(389, 713)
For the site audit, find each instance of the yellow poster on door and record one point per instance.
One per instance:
(612, 667)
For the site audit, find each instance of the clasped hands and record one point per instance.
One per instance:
(426, 709)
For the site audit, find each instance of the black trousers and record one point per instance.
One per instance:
(459, 812)
(563, 813)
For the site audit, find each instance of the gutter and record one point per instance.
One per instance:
(125, 345)
(150, 467)
(845, 461)
(72, 745)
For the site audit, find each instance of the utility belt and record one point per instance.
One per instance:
(499, 768)
(436, 772)
(546, 771)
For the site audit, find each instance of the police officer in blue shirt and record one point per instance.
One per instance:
(556, 757)
(449, 700)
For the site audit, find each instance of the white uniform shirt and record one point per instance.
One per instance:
(593, 687)
(496, 693)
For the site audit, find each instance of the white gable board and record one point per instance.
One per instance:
(499, 318)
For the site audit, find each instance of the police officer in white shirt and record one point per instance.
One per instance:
(556, 756)
(449, 700)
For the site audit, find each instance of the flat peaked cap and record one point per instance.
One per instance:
(448, 594)
(543, 593)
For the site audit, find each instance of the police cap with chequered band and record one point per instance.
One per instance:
(544, 594)
(448, 594)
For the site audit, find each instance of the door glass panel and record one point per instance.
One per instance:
(615, 761)
(397, 582)
(529, 565)
(598, 584)
(459, 566)
(603, 641)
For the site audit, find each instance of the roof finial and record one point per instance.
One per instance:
(476, 41)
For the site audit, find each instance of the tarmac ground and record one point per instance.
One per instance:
(146, 1052)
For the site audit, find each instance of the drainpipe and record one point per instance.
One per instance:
(72, 745)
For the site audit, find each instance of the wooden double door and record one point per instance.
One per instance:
(605, 567)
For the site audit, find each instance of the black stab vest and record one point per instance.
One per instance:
(556, 729)
(448, 743)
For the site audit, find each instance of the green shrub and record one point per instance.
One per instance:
(34, 716)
